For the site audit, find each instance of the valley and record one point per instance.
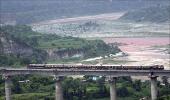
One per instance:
(97, 32)
(144, 43)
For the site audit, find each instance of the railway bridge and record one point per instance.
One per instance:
(59, 73)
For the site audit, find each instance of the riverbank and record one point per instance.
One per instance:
(144, 51)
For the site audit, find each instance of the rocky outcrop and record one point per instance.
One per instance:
(64, 53)
(11, 45)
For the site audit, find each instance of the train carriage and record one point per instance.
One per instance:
(93, 67)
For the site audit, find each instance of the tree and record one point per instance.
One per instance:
(73, 88)
(17, 88)
(165, 81)
(102, 88)
(137, 85)
(122, 92)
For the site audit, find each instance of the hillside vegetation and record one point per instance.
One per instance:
(20, 45)
(151, 14)
(43, 88)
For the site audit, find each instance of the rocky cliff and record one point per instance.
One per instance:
(64, 53)
(11, 45)
(15, 48)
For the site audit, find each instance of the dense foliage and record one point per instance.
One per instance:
(86, 88)
(17, 48)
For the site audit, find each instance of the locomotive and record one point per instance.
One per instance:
(93, 67)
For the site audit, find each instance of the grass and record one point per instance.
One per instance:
(65, 61)
(90, 62)
(29, 96)
(112, 61)
(41, 96)
(109, 60)
(124, 98)
(62, 43)
(80, 60)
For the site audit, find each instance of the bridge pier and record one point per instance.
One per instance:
(8, 84)
(154, 91)
(112, 83)
(58, 89)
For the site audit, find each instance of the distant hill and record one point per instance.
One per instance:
(151, 14)
(31, 11)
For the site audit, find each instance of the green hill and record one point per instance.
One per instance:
(20, 45)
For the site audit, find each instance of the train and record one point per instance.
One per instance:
(93, 67)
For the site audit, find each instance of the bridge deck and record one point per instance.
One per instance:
(67, 72)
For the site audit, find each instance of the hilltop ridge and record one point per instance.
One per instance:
(151, 14)
(32, 11)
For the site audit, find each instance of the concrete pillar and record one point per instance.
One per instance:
(112, 83)
(154, 91)
(168, 80)
(8, 84)
(58, 89)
